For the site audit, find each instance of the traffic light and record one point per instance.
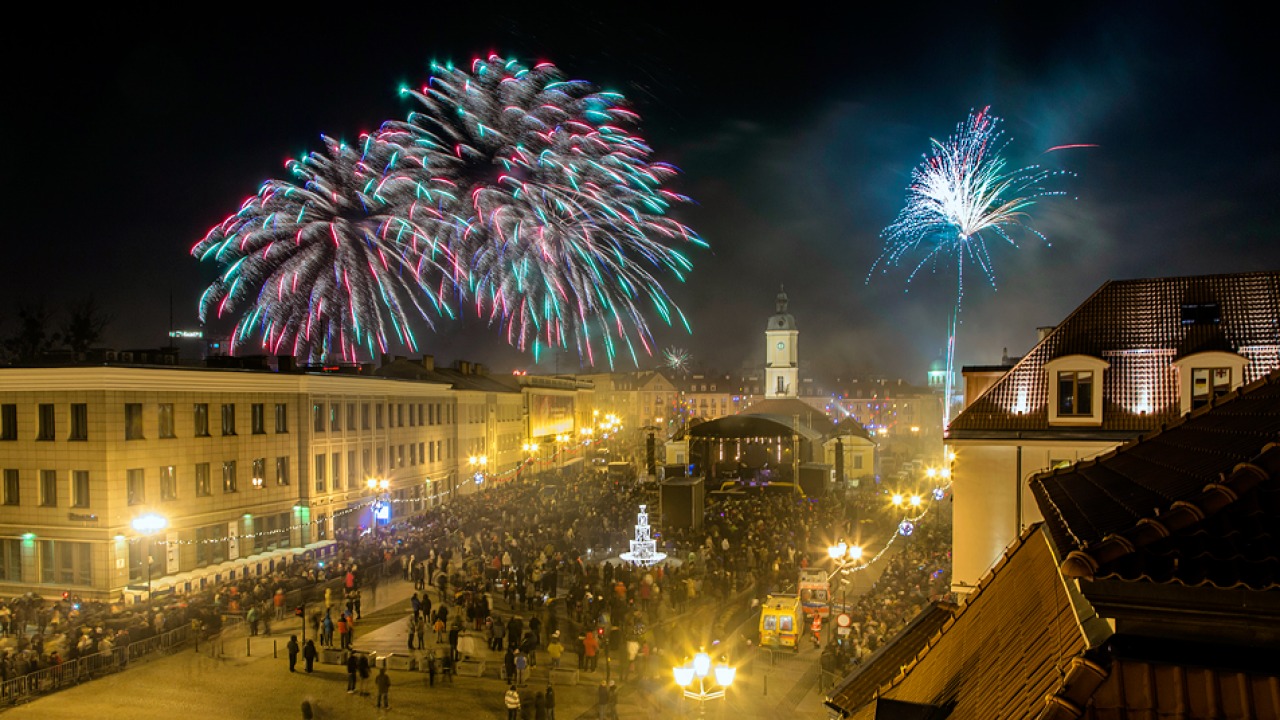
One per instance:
(298, 611)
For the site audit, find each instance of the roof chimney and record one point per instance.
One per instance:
(286, 364)
(1043, 332)
(429, 362)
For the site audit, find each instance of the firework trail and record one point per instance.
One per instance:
(677, 359)
(960, 196)
(547, 201)
(329, 265)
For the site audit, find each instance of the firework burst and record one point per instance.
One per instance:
(332, 264)
(677, 359)
(549, 203)
(960, 196)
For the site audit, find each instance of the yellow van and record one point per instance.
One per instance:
(781, 622)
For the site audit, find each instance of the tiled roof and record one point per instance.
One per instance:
(860, 686)
(1190, 691)
(1007, 648)
(1140, 327)
(1197, 503)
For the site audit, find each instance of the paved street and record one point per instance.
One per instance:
(192, 684)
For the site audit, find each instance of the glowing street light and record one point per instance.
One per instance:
(381, 504)
(148, 525)
(698, 669)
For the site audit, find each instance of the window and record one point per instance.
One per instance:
(377, 416)
(317, 417)
(200, 413)
(165, 418)
(335, 417)
(353, 475)
(12, 488)
(382, 457)
(399, 456)
(66, 563)
(133, 421)
(282, 418)
(203, 488)
(228, 419)
(137, 486)
(335, 471)
(1075, 393)
(1209, 383)
(258, 418)
(368, 461)
(259, 478)
(48, 488)
(45, 429)
(168, 482)
(229, 482)
(282, 471)
(400, 415)
(351, 416)
(431, 414)
(413, 454)
(364, 416)
(79, 422)
(11, 560)
(8, 422)
(80, 488)
(320, 472)
(422, 454)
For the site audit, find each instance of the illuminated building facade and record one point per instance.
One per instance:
(1134, 356)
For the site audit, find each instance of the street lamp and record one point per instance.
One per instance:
(381, 508)
(479, 468)
(698, 670)
(561, 439)
(531, 449)
(149, 525)
(843, 555)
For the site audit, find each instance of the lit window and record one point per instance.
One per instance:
(1209, 383)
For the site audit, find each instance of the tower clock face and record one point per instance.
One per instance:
(782, 345)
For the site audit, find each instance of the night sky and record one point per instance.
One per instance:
(129, 135)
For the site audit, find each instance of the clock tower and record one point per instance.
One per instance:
(781, 371)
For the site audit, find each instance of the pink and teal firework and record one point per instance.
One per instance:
(548, 201)
(334, 264)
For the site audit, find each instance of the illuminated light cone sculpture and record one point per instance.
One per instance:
(644, 551)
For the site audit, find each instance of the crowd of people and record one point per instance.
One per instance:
(532, 573)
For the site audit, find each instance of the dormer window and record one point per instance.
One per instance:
(1202, 377)
(1209, 383)
(1075, 393)
(1075, 390)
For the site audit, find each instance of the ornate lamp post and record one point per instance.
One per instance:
(698, 669)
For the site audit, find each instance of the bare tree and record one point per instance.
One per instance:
(31, 339)
(84, 325)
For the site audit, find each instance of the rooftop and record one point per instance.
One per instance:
(1139, 327)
